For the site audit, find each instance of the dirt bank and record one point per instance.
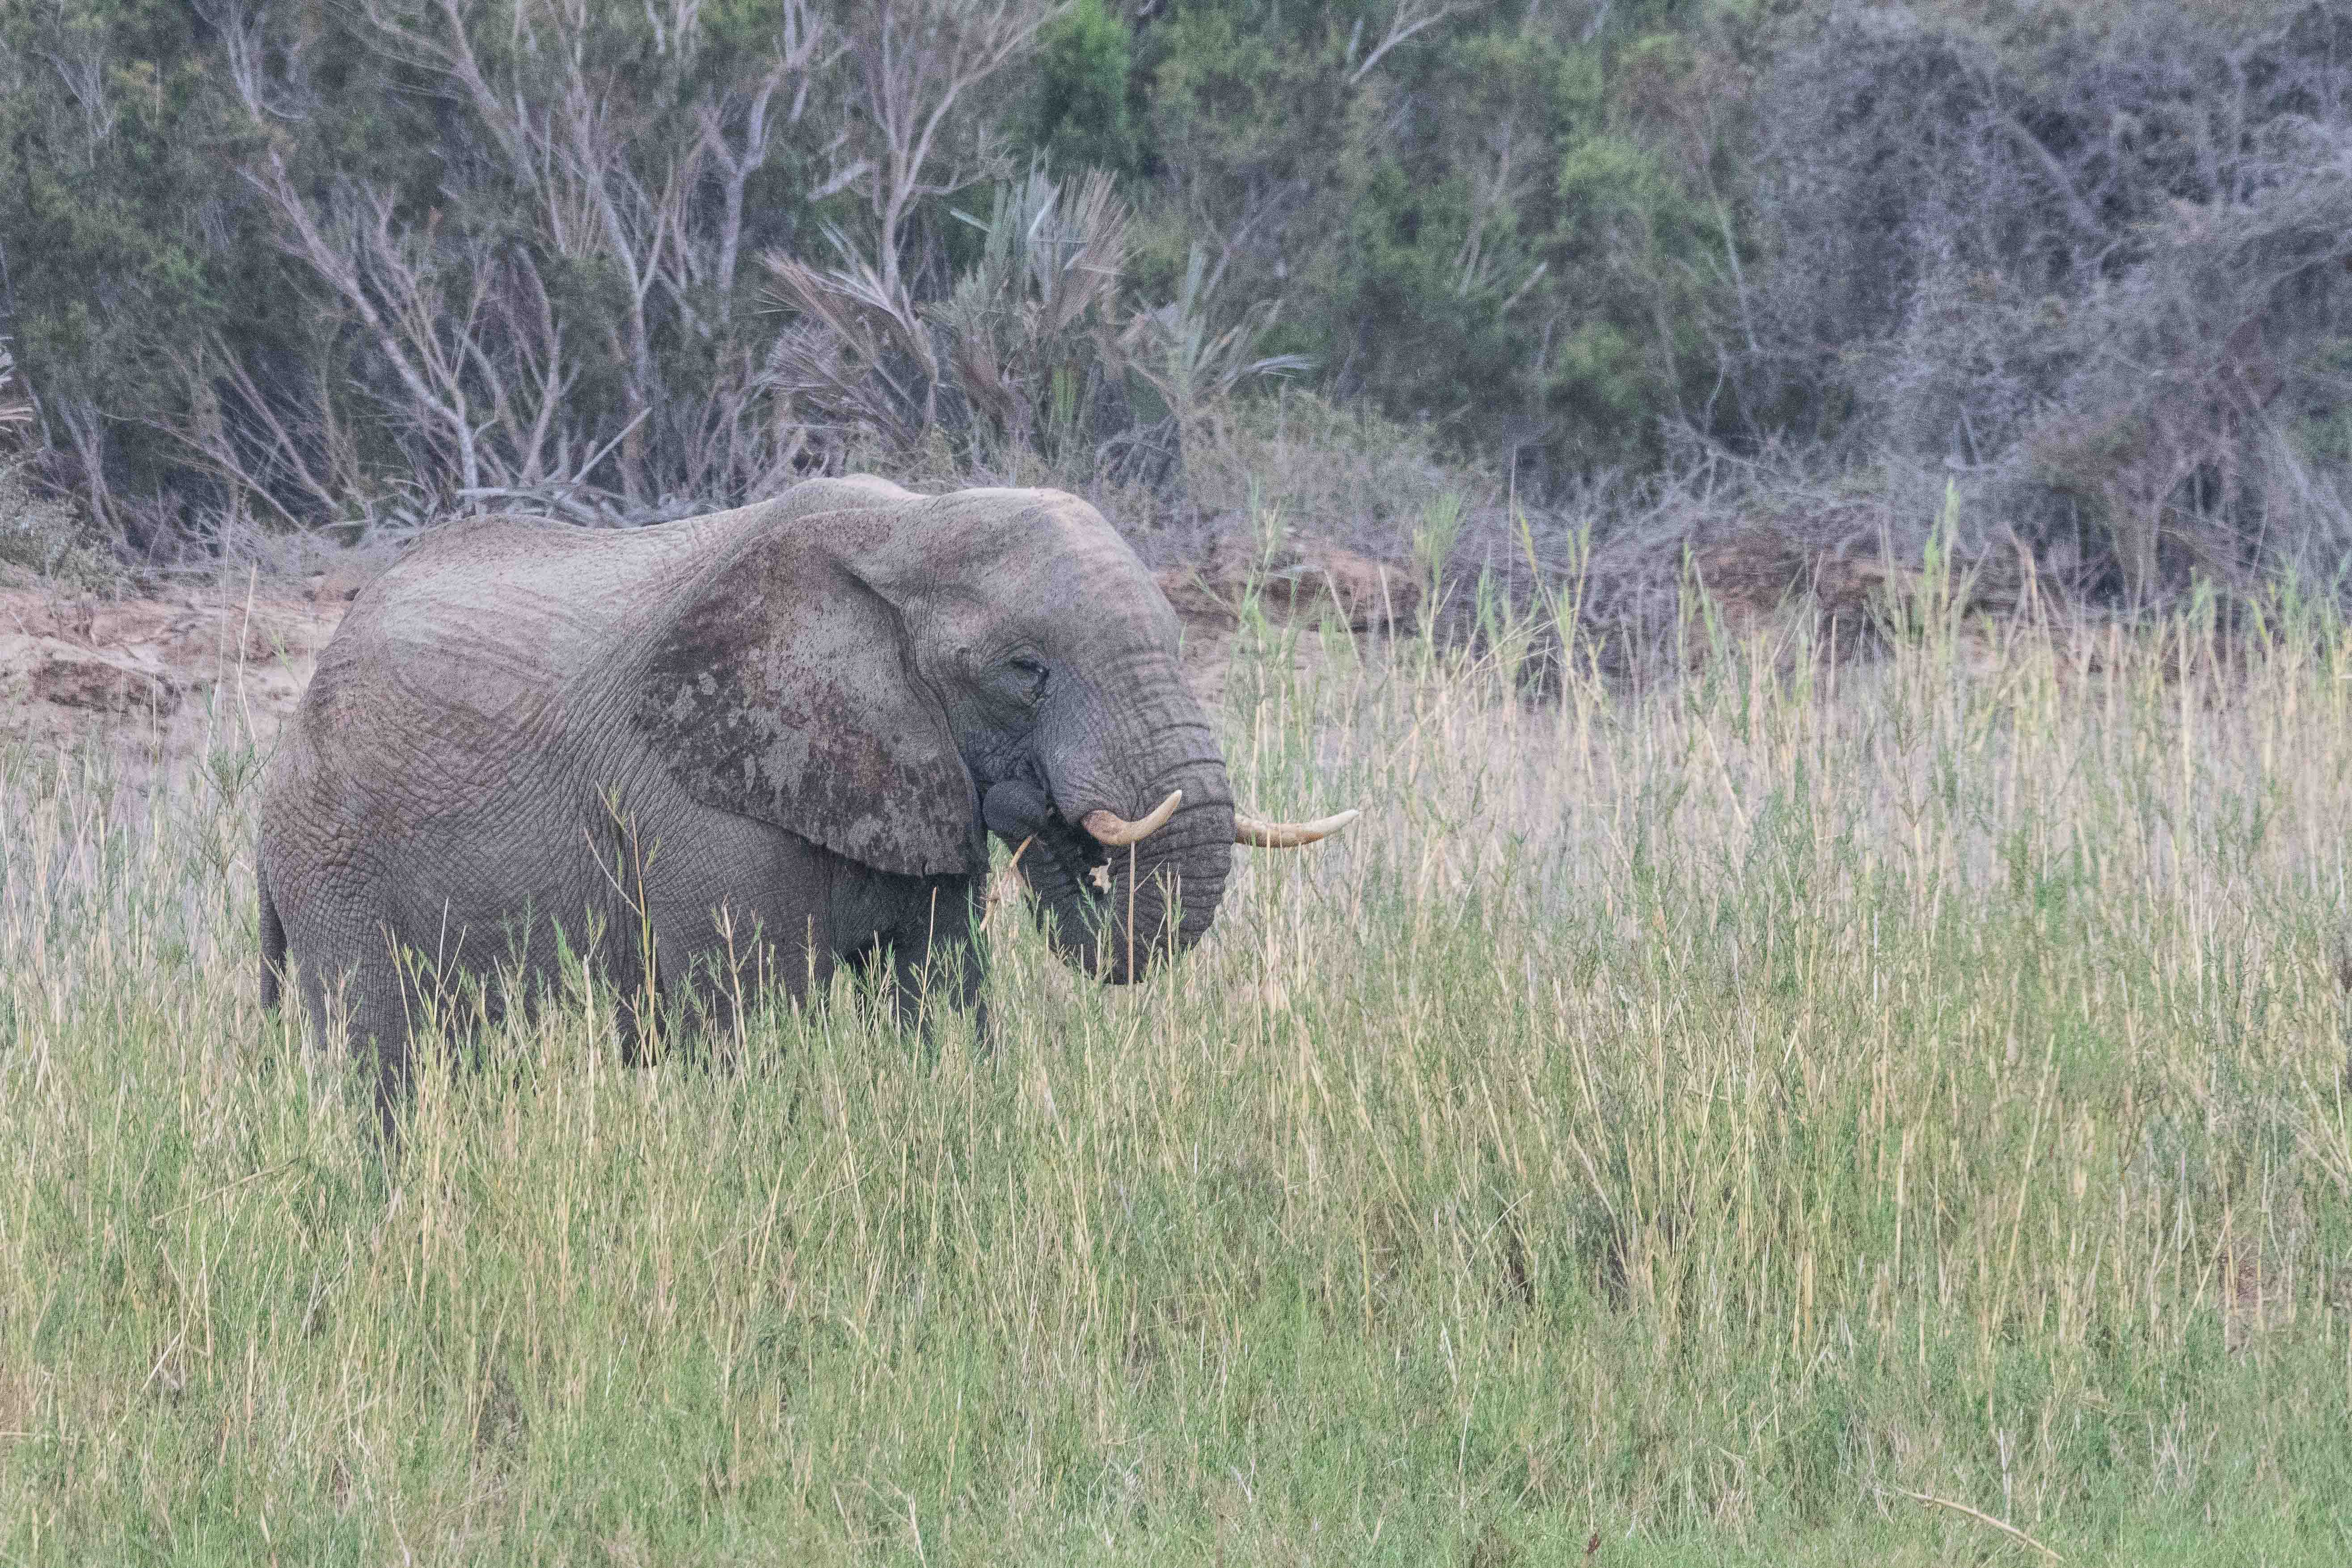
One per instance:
(155, 679)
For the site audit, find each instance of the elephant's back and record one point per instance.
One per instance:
(520, 593)
(467, 668)
(501, 609)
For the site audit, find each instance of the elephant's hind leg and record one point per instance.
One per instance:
(364, 1005)
(273, 946)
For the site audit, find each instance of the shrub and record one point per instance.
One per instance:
(1077, 114)
(1030, 351)
(2098, 272)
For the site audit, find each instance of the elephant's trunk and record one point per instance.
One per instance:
(1164, 891)
(1112, 912)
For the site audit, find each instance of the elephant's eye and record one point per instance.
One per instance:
(1032, 671)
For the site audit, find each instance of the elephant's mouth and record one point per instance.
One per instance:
(1050, 852)
(1114, 894)
(1088, 862)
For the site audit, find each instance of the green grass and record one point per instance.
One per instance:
(1701, 1121)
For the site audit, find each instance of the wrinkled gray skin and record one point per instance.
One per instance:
(798, 720)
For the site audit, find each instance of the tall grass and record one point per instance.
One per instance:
(1733, 1124)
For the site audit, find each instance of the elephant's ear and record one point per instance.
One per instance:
(783, 688)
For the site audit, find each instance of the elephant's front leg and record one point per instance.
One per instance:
(935, 963)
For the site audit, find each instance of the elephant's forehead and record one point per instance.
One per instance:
(1028, 545)
(1051, 585)
(1002, 529)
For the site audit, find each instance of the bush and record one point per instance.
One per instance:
(2099, 274)
(1030, 352)
(1077, 114)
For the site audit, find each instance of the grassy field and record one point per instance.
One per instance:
(1757, 1121)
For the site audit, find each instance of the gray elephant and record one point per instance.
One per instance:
(735, 750)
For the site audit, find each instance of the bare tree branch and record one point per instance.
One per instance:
(1412, 18)
(916, 60)
(613, 149)
(247, 38)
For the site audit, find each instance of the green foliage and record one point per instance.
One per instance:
(122, 231)
(1643, 245)
(191, 355)
(1077, 114)
(1460, 227)
(1487, 224)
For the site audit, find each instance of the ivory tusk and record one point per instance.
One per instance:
(1259, 835)
(1109, 828)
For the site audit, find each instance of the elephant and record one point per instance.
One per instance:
(745, 747)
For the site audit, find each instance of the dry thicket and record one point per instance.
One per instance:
(2102, 280)
(1735, 295)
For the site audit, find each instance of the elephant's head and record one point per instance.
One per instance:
(894, 676)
